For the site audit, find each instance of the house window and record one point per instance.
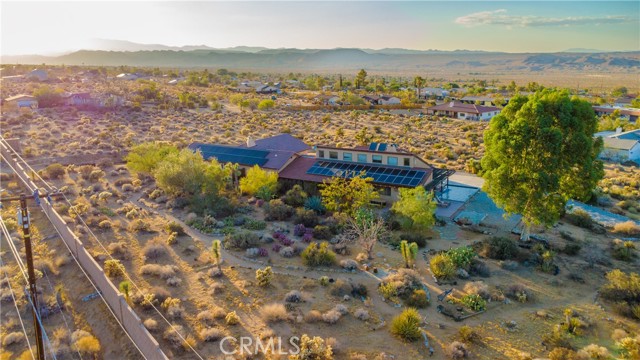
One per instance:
(321, 153)
(392, 160)
(362, 158)
(347, 156)
(406, 161)
(376, 159)
(333, 154)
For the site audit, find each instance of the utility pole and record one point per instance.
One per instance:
(25, 222)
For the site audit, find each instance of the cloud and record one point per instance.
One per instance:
(500, 17)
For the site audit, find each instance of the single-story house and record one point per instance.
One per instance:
(266, 89)
(620, 146)
(630, 114)
(390, 168)
(332, 100)
(272, 153)
(79, 99)
(624, 101)
(38, 74)
(21, 101)
(437, 93)
(381, 100)
(458, 110)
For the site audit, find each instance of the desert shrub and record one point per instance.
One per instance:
(322, 232)
(264, 276)
(324, 280)
(12, 338)
(332, 316)
(499, 248)
(293, 296)
(212, 334)
(318, 255)
(418, 299)
(467, 334)
(593, 352)
(206, 317)
(314, 203)
(295, 197)
(162, 271)
(629, 347)
(105, 224)
(442, 267)
(287, 252)
(306, 217)
(457, 351)
(403, 283)
(172, 238)
(313, 349)
(151, 324)
(277, 210)
(341, 309)
(474, 301)
(173, 337)
(477, 288)
(341, 288)
(274, 313)
(86, 345)
(160, 294)
(621, 286)
(623, 250)
(241, 240)
(174, 227)
(154, 251)
(561, 353)
(232, 318)
(571, 249)
(361, 314)
(580, 218)
(518, 293)
(628, 228)
(461, 256)
(139, 225)
(349, 264)
(407, 325)
(54, 171)
(253, 224)
(174, 281)
(479, 268)
(557, 338)
(113, 268)
(313, 316)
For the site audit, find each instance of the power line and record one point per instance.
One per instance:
(24, 330)
(78, 216)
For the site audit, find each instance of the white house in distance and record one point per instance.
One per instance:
(126, 76)
(458, 110)
(20, 101)
(620, 146)
(437, 93)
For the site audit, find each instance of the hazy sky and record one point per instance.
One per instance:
(513, 26)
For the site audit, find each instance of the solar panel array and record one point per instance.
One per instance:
(381, 174)
(229, 154)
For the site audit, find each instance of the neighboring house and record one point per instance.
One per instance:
(388, 100)
(21, 101)
(623, 101)
(13, 78)
(480, 100)
(79, 99)
(458, 110)
(267, 89)
(332, 100)
(371, 99)
(389, 167)
(437, 93)
(126, 76)
(110, 100)
(272, 153)
(630, 114)
(620, 146)
(38, 74)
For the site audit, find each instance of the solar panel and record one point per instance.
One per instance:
(231, 154)
(373, 146)
(382, 147)
(380, 174)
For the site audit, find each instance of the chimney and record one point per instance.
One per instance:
(618, 130)
(250, 142)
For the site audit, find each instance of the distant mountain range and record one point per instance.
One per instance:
(117, 52)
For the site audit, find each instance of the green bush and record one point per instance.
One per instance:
(264, 276)
(571, 249)
(461, 256)
(315, 203)
(580, 218)
(54, 171)
(253, 224)
(241, 240)
(322, 232)
(418, 299)
(174, 227)
(113, 268)
(277, 210)
(387, 290)
(407, 325)
(295, 197)
(442, 267)
(474, 302)
(318, 255)
(499, 248)
(306, 217)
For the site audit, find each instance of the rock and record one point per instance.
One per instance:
(511, 324)
(267, 239)
(462, 274)
(379, 254)
(252, 252)
(346, 298)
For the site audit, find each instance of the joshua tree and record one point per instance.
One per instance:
(217, 253)
(409, 252)
(125, 289)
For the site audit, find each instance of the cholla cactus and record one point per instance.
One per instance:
(409, 252)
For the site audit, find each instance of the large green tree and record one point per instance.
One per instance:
(540, 152)
(348, 195)
(361, 79)
(418, 206)
(145, 157)
(260, 183)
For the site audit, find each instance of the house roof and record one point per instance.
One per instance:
(619, 144)
(19, 97)
(457, 106)
(623, 111)
(82, 95)
(231, 154)
(297, 170)
(628, 135)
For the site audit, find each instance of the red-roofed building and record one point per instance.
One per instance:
(459, 110)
